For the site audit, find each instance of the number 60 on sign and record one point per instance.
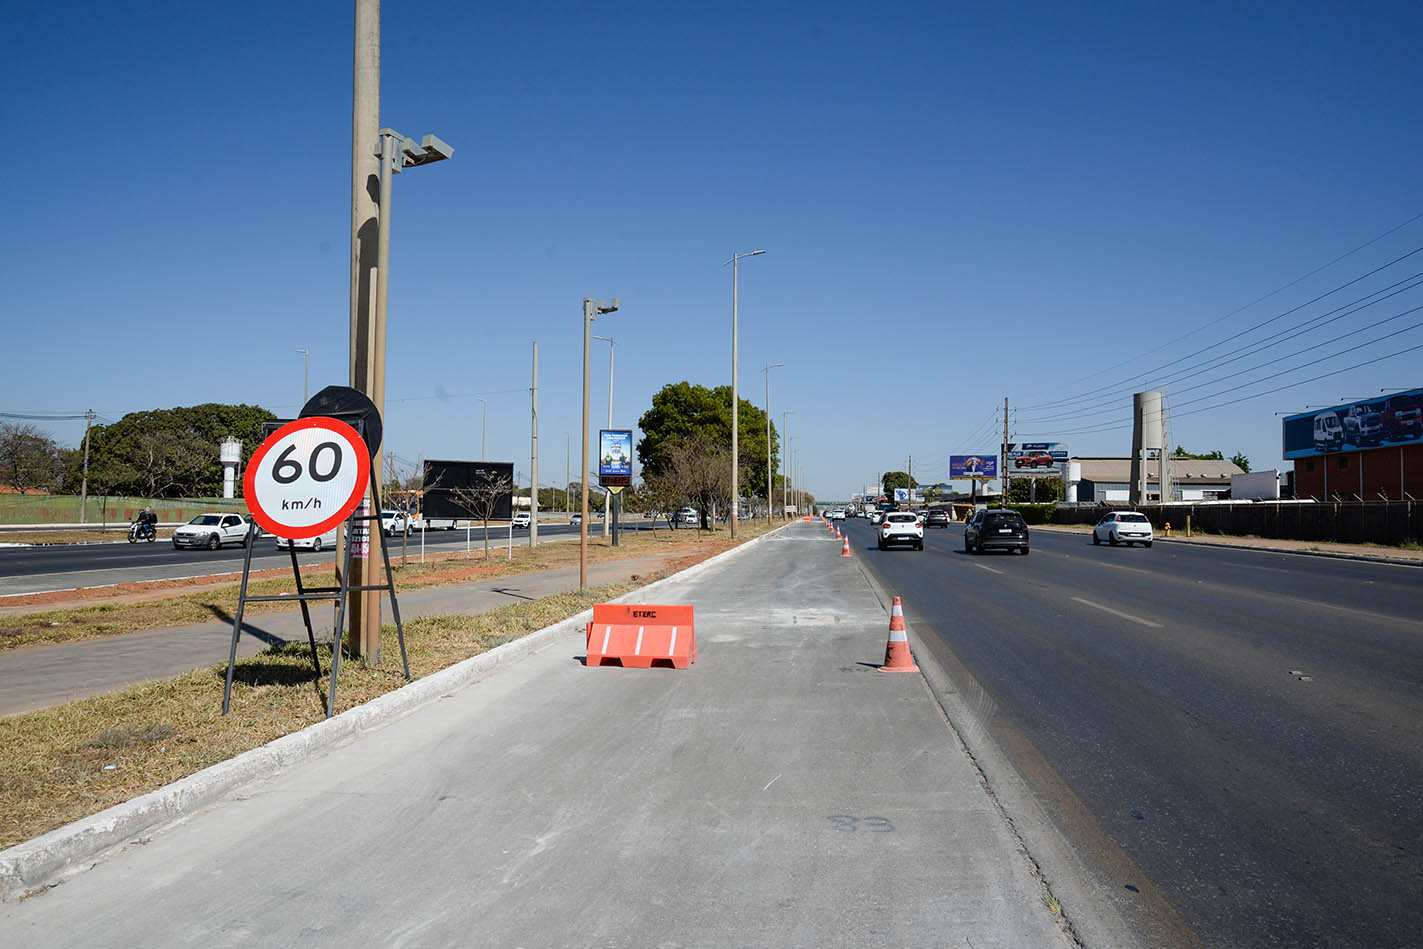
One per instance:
(307, 477)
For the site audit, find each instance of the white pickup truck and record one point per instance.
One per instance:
(211, 530)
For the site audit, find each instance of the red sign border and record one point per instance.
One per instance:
(363, 474)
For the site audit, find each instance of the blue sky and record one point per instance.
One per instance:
(958, 204)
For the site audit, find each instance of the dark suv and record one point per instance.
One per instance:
(937, 519)
(995, 530)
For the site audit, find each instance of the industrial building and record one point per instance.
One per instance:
(1100, 479)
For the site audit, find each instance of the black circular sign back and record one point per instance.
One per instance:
(351, 406)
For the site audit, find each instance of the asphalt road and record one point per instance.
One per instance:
(44, 569)
(1230, 741)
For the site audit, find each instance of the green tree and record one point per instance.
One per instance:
(897, 479)
(685, 411)
(1021, 490)
(1180, 452)
(169, 452)
(1241, 461)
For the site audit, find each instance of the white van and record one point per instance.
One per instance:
(1328, 432)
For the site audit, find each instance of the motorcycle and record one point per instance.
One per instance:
(141, 530)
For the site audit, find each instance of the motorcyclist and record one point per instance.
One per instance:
(147, 523)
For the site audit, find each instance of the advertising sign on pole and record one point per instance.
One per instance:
(973, 467)
(615, 458)
(1029, 457)
(307, 477)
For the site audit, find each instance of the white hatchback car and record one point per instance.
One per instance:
(1123, 527)
(901, 527)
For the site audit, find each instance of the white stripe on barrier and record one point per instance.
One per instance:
(637, 650)
(672, 646)
(607, 632)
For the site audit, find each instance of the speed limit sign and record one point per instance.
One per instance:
(307, 477)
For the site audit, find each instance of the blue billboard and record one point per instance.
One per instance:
(975, 467)
(1394, 419)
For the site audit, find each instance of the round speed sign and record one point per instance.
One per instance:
(307, 477)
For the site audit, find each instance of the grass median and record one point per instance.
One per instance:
(67, 762)
(70, 761)
(132, 607)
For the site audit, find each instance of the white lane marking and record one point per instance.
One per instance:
(1108, 609)
(989, 569)
(772, 781)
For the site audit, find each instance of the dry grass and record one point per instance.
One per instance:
(70, 761)
(88, 536)
(220, 601)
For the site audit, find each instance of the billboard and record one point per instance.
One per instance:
(974, 467)
(473, 489)
(615, 457)
(1394, 419)
(1028, 457)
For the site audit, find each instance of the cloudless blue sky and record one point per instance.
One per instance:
(958, 203)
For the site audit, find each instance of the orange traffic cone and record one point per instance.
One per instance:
(896, 652)
(837, 533)
(845, 550)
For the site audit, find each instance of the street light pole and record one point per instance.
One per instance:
(786, 462)
(769, 482)
(608, 502)
(735, 488)
(592, 309)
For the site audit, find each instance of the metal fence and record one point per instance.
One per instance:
(105, 509)
(1354, 522)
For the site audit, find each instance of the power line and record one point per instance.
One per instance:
(1368, 243)
(1244, 332)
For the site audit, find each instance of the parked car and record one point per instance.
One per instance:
(319, 542)
(211, 530)
(937, 519)
(521, 520)
(1123, 527)
(1328, 432)
(901, 527)
(1033, 460)
(394, 523)
(994, 529)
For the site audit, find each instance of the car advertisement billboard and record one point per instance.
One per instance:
(1394, 419)
(973, 467)
(1028, 457)
(615, 457)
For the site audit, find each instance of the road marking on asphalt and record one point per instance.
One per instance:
(1108, 609)
(989, 569)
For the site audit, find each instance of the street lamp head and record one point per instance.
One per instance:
(736, 257)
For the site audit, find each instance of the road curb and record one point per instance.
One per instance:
(1336, 554)
(55, 856)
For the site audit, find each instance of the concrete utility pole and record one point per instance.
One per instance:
(305, 375)
(785, 463)
(1003, 461)
(534, 454)
(735, 488)
(364, 609)
(84, 485)
(483, 427)
(770, 483)
(592, 309)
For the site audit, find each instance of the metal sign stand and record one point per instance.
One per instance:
(304, 594)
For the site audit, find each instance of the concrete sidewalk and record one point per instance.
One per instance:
(781, 792)
(35, 677)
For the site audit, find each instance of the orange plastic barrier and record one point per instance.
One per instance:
(639, 636)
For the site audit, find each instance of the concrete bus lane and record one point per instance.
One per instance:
(781, 791)
(1242, 731)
